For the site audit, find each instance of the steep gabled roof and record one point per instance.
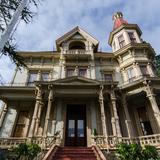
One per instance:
(75, 30)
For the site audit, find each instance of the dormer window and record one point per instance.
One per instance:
(121, 41)
(132, 37)
(77, 45)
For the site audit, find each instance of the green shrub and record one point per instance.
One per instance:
(26, 151)
(136, 152)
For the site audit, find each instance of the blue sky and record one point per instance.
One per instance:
(56, 17)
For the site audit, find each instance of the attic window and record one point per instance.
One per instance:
(76, 45)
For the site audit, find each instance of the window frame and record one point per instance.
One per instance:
(132, 38)
(70, 68)
(121, 41)
(130, 74)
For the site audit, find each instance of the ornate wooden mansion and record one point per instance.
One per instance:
(80, 96)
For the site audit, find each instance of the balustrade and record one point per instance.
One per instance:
(112, 141)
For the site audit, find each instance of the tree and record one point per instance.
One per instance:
(157, 65)
(8, 9)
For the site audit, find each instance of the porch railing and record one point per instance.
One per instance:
(43, 142)
(111, 141)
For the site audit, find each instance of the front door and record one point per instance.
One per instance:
(76, 125)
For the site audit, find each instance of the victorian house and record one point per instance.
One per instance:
(80, 96)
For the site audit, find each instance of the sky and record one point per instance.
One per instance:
(56, 17)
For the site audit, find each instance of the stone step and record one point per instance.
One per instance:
(74, 153)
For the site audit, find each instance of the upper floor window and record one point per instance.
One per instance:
(47, 61)
(36, 60)
(32, 78)
(131, 74)
(132, 37)
(144, 70)
(82, 72)
(108, 77)
(77, 45)
(69, 72)
(45, 76)
(121, 41)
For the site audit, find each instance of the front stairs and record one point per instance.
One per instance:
(75, 153)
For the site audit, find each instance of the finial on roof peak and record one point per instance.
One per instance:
(118, 20)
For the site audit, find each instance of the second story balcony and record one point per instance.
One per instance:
(77, 53)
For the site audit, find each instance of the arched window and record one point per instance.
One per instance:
(77, 45)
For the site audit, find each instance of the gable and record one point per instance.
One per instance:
(76, 33)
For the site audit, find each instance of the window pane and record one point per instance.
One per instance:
(144, 70)
(80, 128)
(45, 76)
(71, 128)
(82, 72)
(131, 74)
(121, 41)
(47, 60)
(132, 37)
(108, 77)
(70, 72)
(32, 78)
(36, 60)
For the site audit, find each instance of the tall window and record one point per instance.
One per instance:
(108, 77)
(32, 78)
(45, 76)
(20, 128)
(144, 70)
(131, 74)
(121, 41)
(144, 121)
(82, 72)
(70, 72)
(132, 37)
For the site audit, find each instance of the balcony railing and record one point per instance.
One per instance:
(111, 141)
(43, 142)
(76, 51)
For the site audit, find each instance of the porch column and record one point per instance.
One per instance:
(38, 118)
(152, 99)
(3, 113)
(115, 118)
(50, 100)
(102, 111)
(127, 116)
(36, 108)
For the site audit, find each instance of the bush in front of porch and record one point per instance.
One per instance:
(26, 151)
(136, 152)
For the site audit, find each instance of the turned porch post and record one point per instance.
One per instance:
(38, 118)
(3, 113)
(50, 100)
(115, 118)
(36, 108)
(102, 111)
(127, 116)
(153, 102)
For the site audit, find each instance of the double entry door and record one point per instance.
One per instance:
(75, 125)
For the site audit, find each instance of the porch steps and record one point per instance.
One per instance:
(75, 153)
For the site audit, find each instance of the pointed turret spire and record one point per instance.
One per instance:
(118, 20)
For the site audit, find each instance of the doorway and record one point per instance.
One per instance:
(75, 125)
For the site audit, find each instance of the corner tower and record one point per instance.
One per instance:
(135, 56)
